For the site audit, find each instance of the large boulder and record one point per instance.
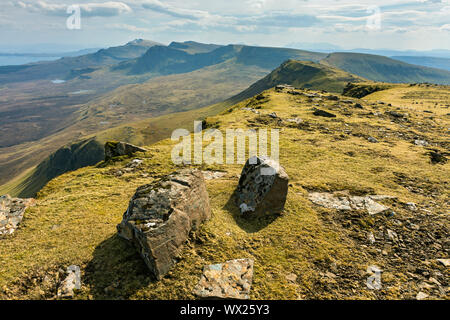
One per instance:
(11, 213)
(229, 280)
(263, 187)
(116, 149)
(161, 215)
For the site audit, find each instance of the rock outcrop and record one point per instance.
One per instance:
(347, 202)
(229, 280)
(263, 187)
(116, 149)
(11, 213)
(161, 215)
(323, 113)
(71, 282)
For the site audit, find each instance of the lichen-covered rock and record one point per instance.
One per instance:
(116, 149)
(229, 280)
(161, 215)
(11, 213)
(71, 282)
(263, 186)
(347, 202)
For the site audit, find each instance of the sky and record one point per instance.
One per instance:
(382, 24)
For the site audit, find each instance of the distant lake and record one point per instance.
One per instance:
(16, 60)
(57, 81)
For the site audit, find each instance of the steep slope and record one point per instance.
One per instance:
(166, 60)
(309, 252)
(302, 74)
(379, 68)
(431, 62)
(68, 158)
(172, 60)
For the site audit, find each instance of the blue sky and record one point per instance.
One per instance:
(393, 24)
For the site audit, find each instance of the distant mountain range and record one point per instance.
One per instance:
(140, 57)
(329, 48)
(379, 68)
(432, 62)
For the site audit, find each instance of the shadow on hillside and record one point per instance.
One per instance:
(116, 270)
(249, 224)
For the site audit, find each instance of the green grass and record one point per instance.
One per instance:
(75, 219)
(379, 68)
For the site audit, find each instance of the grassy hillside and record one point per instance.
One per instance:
(379, 68)
(301, 74)
(135, 101)
(126, 107)
(432, 62)
(173, 59)
(307, 253)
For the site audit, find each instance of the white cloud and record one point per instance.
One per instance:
(105, 9)
(173, 11)
(126, 27)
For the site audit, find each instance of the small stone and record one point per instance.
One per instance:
(295, 120)
(411, 206)
(70, 283)
(421, 296)
(371, 237)
(291, 277)
(444, 262)
(422, 143)
(392, 235)
(229, 280)
(372, 140)
(134, 163)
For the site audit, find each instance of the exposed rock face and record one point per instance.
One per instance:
(437, 157)
(346, 202)
(212, 175)
(161, 215)
(70, 283)
(263, 186)
(116, 149)
(11, 213)
(323, 113)
(229, 280)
